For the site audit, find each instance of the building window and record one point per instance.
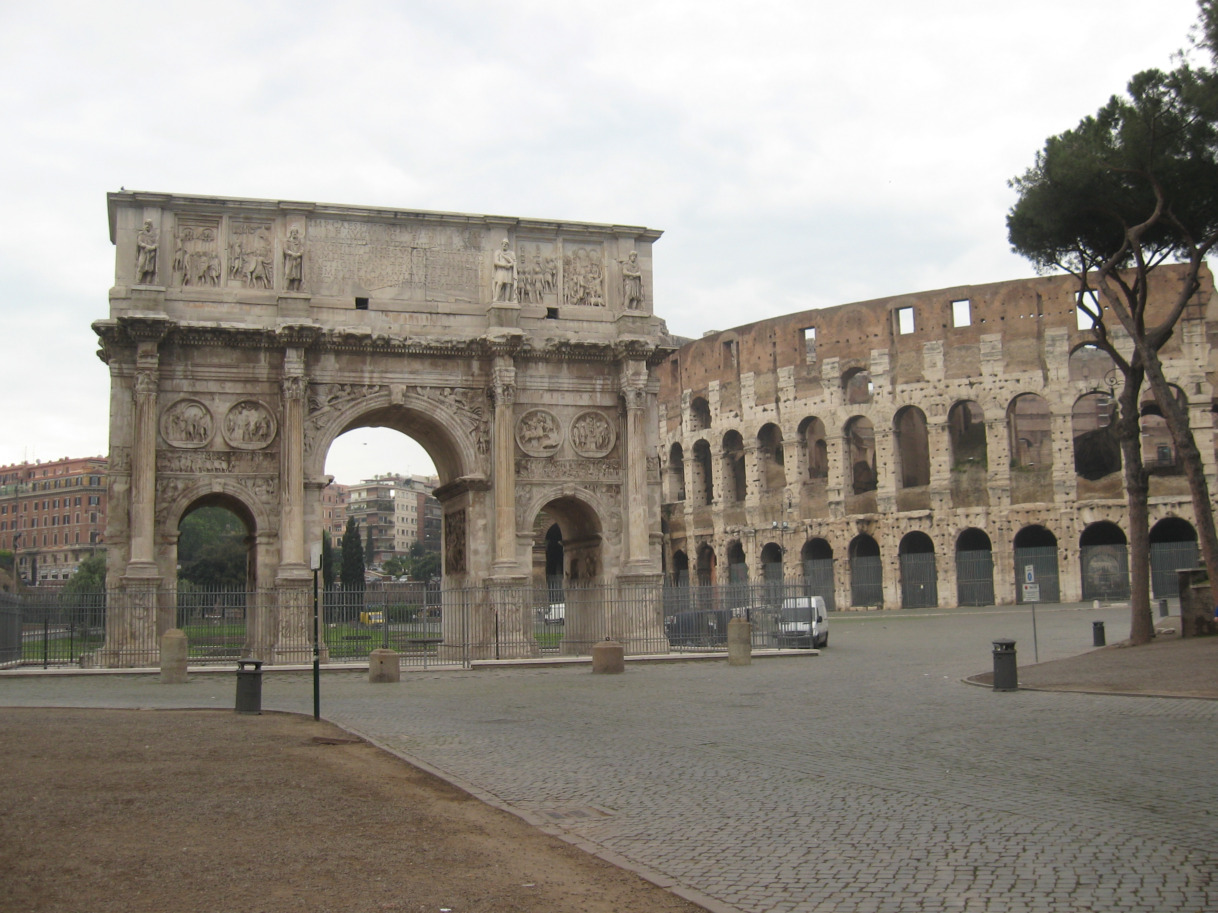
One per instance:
(810, 345)
(905, 321)
(962, 313)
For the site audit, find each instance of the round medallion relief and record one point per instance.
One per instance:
(592, 434)
(539, 433)
(187, 424)
(249, 425)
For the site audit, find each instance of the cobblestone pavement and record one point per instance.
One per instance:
(866, 779)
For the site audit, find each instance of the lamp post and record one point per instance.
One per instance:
(16, 567)
(315, 564)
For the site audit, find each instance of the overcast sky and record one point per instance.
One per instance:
(796, 154)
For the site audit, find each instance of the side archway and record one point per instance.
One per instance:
(919, 576)
(1104, 561)
(817, 559)
(1173, 547)
(974, 568)
(866, 572)
(1036, 564)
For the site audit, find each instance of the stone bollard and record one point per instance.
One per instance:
(739, 642)
(608, 658)
(384, 666)
(173, 657)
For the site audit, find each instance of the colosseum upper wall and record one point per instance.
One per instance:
(939, 448)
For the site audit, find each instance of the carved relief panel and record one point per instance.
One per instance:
(583, 275)
(537, 272)
(539, 433)
(592, 434)
(196, 255)
(250, 253)
(454, 542)
(187, 424)
(249, 425)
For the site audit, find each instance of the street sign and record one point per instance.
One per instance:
(1031, 592)
(1029, 573)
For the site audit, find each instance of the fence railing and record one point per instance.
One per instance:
(425, 625)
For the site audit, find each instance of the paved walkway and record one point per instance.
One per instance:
(866, 779)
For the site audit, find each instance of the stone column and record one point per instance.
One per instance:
(718, 475)
(885, 470)
(998, 455)
(753, 485)
(939, 443)
(633, 383)
(291, 530)
(503, 449)
(294, 582)
(143, 464)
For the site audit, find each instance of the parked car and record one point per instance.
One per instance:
(701, 628)
(803, 622)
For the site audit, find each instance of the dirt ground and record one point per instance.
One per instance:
(116, 810)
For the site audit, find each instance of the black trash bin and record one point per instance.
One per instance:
(1097, 634)
(1006, 677)
(249, 686)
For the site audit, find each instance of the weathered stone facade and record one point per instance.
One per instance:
(244, 336)
(925, 449)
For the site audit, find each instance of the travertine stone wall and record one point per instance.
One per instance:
(244, 336)
(938, 431)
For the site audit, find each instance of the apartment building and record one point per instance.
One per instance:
(52, 515)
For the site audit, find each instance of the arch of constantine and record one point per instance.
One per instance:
(244, 336)
(937, 449)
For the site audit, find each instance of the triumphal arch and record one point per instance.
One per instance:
(244, 336)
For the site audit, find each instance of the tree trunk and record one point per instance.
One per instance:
(1190, 458)
(1137, 491)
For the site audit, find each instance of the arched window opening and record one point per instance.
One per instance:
(857, 387)
(912, 447)
(699, 414)
(770, 453)
(812, 432)
(676, 473)
(860, 451)
(1097, 451)
(1159, 454)
(735, 486)
(966, 431)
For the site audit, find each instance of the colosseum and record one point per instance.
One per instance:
(943, 448)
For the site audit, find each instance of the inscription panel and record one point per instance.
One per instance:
(410, 262)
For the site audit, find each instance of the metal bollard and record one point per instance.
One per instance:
(1006, 677)
(1162, 608)
(1097, 634)
(249, 686)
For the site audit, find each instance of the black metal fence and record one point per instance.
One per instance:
(425, 625)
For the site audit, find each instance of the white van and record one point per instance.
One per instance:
(803, 622)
